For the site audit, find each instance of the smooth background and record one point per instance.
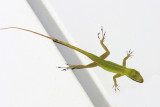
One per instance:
(129, 25)
(29, 76)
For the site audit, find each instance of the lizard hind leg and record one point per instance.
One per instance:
(93, 64)
(106, 54)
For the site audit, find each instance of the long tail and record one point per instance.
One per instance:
(55, 40)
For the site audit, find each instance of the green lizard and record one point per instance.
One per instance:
(99, 61)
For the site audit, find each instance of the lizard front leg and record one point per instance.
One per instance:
(129, 54)
(115, 86)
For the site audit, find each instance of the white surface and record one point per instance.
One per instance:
(28, 73)
(129, 25)
(55, 29)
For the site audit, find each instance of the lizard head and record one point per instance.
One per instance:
(135, 75)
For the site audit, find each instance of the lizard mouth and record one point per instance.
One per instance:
(142, 80)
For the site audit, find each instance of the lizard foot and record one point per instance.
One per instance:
(130, 53)
(115, 86)
(66, 68)
(103, 35)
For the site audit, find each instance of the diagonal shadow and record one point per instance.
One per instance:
(69, 55)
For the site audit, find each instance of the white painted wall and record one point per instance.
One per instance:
(28, 73)
(129, 25)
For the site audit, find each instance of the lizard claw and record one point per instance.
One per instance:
(64, 68)
(130, 53)
(115, 86)
(103, 35)
(98, 35)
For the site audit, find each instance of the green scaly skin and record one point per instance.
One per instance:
(120, 70)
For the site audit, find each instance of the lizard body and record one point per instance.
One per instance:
(120, 70)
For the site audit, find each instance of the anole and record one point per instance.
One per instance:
(120, 70)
